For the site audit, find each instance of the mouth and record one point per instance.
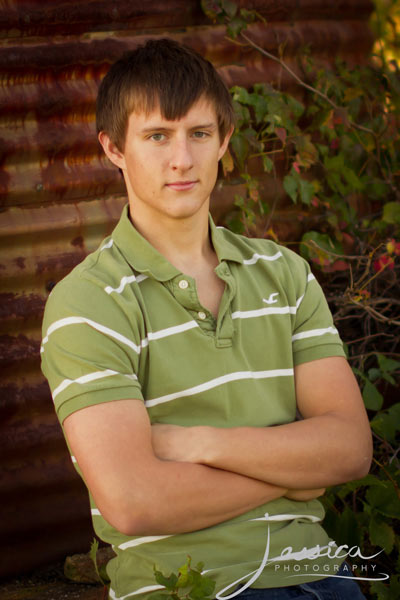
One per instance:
(181, 186)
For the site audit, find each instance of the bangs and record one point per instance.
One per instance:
(162, 75)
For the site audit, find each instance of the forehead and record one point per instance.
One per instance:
(202, 112)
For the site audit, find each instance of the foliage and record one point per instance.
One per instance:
(335, 148)
(385, 23)
(188, 584)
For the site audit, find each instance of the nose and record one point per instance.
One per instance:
(181, 155)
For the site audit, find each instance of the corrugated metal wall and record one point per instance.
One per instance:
(60, 197)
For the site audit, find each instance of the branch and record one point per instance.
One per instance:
(303, 83)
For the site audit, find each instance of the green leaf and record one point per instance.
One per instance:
(384, 499)
(348, 527)
(268, 165)
(168, 582)
(93, 555)
(290, 186)
(368, 480)
(385, 426)
(388, 378)
(316, 247)
(394, 412)
(260, 107)
(204, 587)
(377, 190)
(374, 374)
(229, 7)
(199, 567)
(240, 94)
(381, 535)
(307, 191)
(296, 107)
(352, 179)
(240, 146)
(373, 399)
(185, 578)
(235, 27)
(391, 213)
(388, 364)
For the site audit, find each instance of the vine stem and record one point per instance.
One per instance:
(396, 487)
(303, 83)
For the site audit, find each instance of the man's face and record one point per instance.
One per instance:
(170, 167)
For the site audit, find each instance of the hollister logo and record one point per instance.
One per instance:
(271, 299)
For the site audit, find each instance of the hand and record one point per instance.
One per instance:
(304, 495)
(173, 442)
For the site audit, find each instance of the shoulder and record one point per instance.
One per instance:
(267, 254)
(87, 290)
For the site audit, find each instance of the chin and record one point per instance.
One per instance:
(187, 209)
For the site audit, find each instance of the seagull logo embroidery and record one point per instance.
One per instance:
(271, 299)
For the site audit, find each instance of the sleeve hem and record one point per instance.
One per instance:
(96, 397)
(316, 352)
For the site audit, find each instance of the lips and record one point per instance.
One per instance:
(181, 186)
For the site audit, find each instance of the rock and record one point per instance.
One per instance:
(80, 567)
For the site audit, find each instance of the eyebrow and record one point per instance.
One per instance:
(163, 128)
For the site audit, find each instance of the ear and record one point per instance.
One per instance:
(111, 150)
(225, 143)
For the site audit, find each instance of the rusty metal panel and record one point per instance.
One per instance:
(44, 509)
(59, 197)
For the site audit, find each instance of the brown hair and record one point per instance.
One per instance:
(161, 72)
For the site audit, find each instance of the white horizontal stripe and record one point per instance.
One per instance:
(310, 277)
(256, 257)
(74, 459)
(156, 335)
(299, 301)
(82, 320)
(87, 378)
(287, 517)
(107, 245)
(278, 310)
(147, 588)
(143, 540)
(220, 381)
(96, 512)
(124, 282)
(313, 333)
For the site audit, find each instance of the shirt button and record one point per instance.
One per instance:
(183, 284)
(201, 315)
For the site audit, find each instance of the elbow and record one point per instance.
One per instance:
(359, 461)
(135, 520)
(130, 523)
(361, 467)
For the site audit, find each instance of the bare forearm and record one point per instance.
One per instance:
(331, 445)
(316, 452)
(182, 497)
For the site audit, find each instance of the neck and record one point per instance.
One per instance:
(184, 242)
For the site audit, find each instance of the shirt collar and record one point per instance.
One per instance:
(144, 258)
(223, 241)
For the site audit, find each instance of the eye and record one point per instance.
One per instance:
(200, 134)
(157, 137)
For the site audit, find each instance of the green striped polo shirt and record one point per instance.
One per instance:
(126, 323)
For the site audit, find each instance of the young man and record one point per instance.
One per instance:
(178, 354)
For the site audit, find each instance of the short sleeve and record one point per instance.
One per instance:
(314, 334)
(89, 352)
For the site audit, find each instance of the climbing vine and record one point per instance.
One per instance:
(333, 150)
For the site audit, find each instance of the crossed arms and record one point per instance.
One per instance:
(162, 479)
